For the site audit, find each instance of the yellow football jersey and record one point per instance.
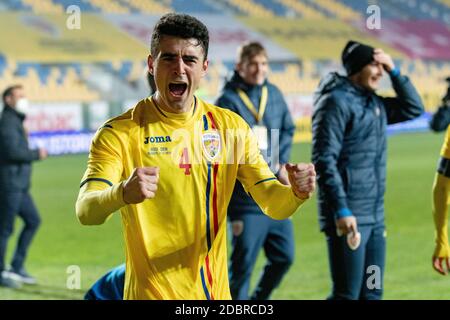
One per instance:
(176, 242)
(445, 150)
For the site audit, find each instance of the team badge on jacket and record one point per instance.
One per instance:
(211, 145)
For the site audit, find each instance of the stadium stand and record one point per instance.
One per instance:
(47, 83)
(445, 2)
(85, 6)
(302, 10)
(405, 9)
(15, 5)
(56, 81)
(198, 7)
(344, 10)
(338, 10)
(109, 6)
(318, 8)
(43, 6)
(277, 8)
(248, 7)
(148, 6)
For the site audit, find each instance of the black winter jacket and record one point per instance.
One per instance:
(15, 155)
(349, 145)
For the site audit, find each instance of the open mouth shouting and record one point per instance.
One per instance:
(177, 89)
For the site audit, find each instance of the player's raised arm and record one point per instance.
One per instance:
(302, 178)
(141, 185)
(275, 199)
(101, 189)
(97, 200)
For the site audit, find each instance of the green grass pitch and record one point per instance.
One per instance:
(62, 241)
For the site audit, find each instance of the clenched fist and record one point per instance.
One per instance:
(141, 185)
(302, 177)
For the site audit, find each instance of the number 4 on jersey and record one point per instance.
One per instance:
(184, 162)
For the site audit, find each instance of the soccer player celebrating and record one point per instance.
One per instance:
(170, 164)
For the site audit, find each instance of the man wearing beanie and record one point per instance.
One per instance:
(349, 153)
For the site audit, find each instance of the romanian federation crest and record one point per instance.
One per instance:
(211, 145)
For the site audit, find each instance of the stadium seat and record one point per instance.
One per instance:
(85, 6)
(149, 6)
(302, 9)
(250, 8)
(194, 7)
(338, 10)
(2, 64)
(276, 7)
(16, 5)
(110, 6)
(44, 6)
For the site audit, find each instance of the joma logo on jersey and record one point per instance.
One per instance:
(159, 139)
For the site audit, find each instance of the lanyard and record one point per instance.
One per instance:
(262, 103)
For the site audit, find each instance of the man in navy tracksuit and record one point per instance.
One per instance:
(15, 176)
(262, 105)
(349, 153)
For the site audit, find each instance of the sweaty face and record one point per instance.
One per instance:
(254, 70)
(177, 68)
(369, 77)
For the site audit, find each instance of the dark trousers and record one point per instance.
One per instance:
(357, 274)
(259, 231)
(21, 204)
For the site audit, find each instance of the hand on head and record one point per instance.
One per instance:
(383, 58)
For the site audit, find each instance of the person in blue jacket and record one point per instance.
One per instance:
(262, 106)
(349, 153)
(16, 160)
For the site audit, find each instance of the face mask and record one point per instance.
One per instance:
(23, 106)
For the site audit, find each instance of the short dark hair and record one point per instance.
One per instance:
(151, 83)
(180, 25)
(250, 49)
(9, 91)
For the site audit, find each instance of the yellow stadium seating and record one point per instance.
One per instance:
(71, 89)
(44, 6)
(341, 11)
(150, 6)
(445, 2)
(109, 6)
(137, 71)
(302, 9)
(252, 8)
